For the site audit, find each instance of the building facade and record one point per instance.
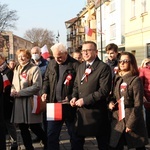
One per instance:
(137, 28)
(11, 43)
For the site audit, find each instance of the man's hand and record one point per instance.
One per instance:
(111, 105)
(79, 102)
(128, 130)
(72, 102)
(43, 97)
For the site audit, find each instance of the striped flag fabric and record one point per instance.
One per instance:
(36, 104)
(54, 111)
(44, 52)
(6, 81)
(121, 108)
(88, 31)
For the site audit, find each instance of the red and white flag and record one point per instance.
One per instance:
(54, 111)
(88, 31)
(36, 104)
(44, 52)
(6, 81)
(121, 108)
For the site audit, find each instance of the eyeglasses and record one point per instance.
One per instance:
(87, 50)
(124, 61)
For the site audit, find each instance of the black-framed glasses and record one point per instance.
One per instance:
(87, 50)
(124, 61)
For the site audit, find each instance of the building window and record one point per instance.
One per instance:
(132, 8)
(148, 49)
(113, 31)
(143, 6)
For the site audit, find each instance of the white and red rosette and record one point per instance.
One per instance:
(87, 72)
(68, 78)
(123, 86)
(24, 76)
(115, 69)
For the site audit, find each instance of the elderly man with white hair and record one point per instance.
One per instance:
(57, 88)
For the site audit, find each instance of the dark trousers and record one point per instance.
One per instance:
(122, 143)
(53, 133)
(102, 142)
(147, 113)
(26, 136)
(2, 136)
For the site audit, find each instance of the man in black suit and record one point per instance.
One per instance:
(91, 88)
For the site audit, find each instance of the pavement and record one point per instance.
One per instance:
(90, 142)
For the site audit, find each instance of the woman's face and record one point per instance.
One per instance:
(124, 63)
(22, 59)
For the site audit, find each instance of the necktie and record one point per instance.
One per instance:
(88, 65)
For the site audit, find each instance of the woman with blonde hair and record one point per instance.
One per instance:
(27, 81)
(144, 62)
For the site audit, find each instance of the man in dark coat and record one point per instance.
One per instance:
(38, 60)
(112, 52)
(92, 86)
(6, 104)
(57, 88)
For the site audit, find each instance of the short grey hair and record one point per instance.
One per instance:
(59, 47)
(37, 48)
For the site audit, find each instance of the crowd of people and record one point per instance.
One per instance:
(106, 100)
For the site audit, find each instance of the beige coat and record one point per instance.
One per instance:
(27, 81)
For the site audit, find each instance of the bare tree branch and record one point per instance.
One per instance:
(40, 37)
(7, 17)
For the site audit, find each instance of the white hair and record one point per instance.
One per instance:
(59, 47)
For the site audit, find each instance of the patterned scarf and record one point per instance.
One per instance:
(3, 66)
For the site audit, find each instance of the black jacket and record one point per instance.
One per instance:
(5, 99)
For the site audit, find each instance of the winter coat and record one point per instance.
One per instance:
(92, 118)
(8, 100)
(133, 101)
(113, 64)
(42, 65)
(51, 79)
(145, 76)
(27, 81)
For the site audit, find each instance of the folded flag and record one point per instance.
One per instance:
(36, 104)
(54, 111)
(6, 81)
(121, 108)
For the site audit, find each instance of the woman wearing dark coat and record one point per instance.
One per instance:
(2, 122)
(130, 128)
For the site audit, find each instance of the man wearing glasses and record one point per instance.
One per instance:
(92, 86)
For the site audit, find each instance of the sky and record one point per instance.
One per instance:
(46, 14)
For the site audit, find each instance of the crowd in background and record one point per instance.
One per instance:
(108, 100)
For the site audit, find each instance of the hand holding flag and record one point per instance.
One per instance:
(121, 108)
